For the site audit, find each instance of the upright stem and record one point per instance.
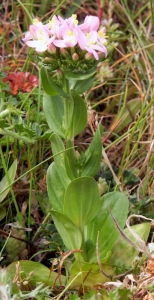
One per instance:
(68, 107)
(71, 157)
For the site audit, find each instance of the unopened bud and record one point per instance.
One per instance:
(64, 52)
(102, 186)
(75, 57)
(51, 49)
(59, 74)
(88, 56)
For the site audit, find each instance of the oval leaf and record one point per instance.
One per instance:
(123, 251)
(56, 186)
(80, 75)
(79, 117)
(93, 154)
(60, 155)
(54, 111)
(118, 203)
(40, 273)
(89, 274)
(49, 86)
(82, 86)
(82, 201)
(69, 233)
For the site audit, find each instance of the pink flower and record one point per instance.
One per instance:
(69, 38)
(57, 24)
(102, 35)
(89, 42)
(71, 22)
(90, 23)
(54, 27)
(38, 37)
(66, 33)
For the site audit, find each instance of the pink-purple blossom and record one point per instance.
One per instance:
(67, 33)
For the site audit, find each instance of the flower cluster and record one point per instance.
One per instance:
(67, 33)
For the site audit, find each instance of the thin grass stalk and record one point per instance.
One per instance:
(10, 186)
(34, 168)
(26, 10)
(135, 128)
(152, 11)
(134, 27)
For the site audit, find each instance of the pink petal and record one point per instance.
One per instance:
(59, 43)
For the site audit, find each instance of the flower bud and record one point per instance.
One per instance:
(75, 57)
(64, 52)
(89, 56)
(51, 49)
(59, 74)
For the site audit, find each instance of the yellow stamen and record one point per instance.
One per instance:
(70, 33)
(101, 34)
(74, 16)
(35, 21)
(40, 38)
(40, 35)
(51, 24)
(75, 21)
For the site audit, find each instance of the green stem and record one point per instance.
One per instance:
(71, 157)
(68, 111)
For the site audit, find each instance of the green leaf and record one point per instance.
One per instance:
(83, 85)
(79, 117)
(79, 75)
(56, 186)
(54, 112)
(123, 251)
(7, 180)
(60, 158)
(40, 273)
(70, 234)
(118, 203)
(90, 274)
(49, 86)
(93, 154)
(82, 201)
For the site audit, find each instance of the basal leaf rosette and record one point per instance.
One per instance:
(67, 45)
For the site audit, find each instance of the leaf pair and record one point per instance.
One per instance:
(54, 109)
(66, 114)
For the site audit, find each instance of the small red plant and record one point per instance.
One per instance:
(21, 81)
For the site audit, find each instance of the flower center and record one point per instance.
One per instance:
(35, 21)
(102, 34)
(75, 20)
(40, 35)
(51, 23)
(70, 33)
